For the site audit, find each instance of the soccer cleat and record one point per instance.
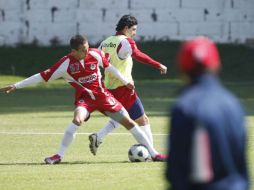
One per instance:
(94, 143)
(160, 158)
(55, 159)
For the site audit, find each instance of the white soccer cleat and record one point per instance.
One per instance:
(94, 143)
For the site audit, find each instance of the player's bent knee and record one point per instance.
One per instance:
(143, 120)
(77, 121)
(80, 115)
(146, 119)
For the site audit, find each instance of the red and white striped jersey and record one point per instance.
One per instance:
(84, 75)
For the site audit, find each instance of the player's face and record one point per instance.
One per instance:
(82, 51)
(131, 32)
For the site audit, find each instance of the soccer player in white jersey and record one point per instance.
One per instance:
(121, 48)
(80, 68)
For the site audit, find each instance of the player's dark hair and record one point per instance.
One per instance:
(76, 41)
(126, 20)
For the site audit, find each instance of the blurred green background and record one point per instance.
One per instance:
(25, 60)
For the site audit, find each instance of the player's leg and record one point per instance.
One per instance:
(123, 118)
(108, 128)
(137, 114)
(144, 124)
(126, 97)
(80, 115)
(96, 138)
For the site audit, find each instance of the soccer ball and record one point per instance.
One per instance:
(138, 153)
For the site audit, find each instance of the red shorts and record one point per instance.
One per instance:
(104, 102)
(126, 96)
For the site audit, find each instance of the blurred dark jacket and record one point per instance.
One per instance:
(207, 142)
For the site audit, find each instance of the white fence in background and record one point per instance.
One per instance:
(55, 21)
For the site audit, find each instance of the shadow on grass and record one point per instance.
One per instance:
(21, 164)
(65, 163)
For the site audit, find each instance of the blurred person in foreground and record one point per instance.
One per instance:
(80, 68)
(121, 49)
(207, 142)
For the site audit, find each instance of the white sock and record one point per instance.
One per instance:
(147, 130)
(140, 136)
(109, 127)
(69, 135)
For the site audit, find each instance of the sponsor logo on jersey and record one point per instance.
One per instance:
(109, 45)
(88, 79)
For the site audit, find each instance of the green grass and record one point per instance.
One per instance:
(21, 160)
(49, 109)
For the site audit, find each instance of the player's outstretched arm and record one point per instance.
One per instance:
(8, 89)
(24, 83)
(145, 59)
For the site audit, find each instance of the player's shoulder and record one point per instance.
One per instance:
(129, 40)
(95, 50)
(107, 40)
(64, 59)
(109, 37)
(129, 43)
(68, 56)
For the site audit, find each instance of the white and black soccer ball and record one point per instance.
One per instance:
(138, 153)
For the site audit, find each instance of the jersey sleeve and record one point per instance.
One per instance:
(29, 81)
(142, 57)
(56, 71)
(124, 49)
(117, 74)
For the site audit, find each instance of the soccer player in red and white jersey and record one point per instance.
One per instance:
(121, 48)
(80, 69)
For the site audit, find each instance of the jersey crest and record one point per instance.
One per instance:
(93, 66)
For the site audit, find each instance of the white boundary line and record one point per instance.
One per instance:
(49, 133)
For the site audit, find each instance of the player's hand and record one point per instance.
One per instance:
(163, 69)
(130, 86)
(8, 89)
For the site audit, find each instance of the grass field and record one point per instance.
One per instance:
(32, 121)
